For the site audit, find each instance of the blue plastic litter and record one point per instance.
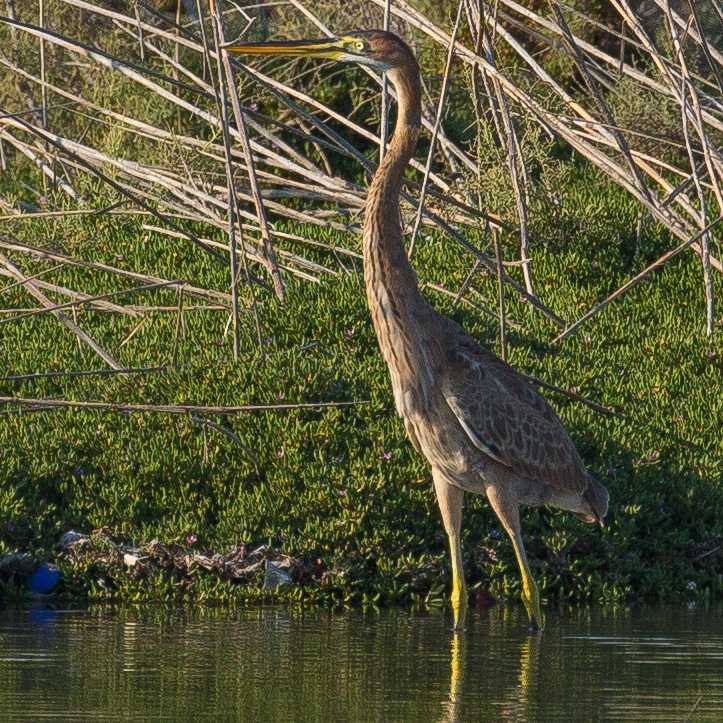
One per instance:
(44, 579)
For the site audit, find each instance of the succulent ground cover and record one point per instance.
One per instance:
(200, 458)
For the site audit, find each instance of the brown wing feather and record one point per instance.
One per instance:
(509, 420)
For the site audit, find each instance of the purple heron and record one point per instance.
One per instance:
(480, 424)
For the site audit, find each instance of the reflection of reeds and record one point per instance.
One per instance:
(241, 177)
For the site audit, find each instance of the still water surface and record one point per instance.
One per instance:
(272, 664)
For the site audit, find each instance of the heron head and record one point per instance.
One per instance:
(378, 49)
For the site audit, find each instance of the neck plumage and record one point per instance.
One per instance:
(397, 307)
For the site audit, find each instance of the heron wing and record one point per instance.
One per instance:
(509, 420)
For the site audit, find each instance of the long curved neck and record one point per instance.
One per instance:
(387, 182)
(391, 284)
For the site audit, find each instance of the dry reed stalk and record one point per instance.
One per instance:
(43, 253)
(435, 130)
(73, 304)
(625, 287)
(179, 326)
(79, 296)
(222, 105)
(177, 409)
(384, 123)
(687, 88)
(32, 288)
(136, 308)
(577, 397)
(141, 41)
(47, 170)
(501, 292)
(250, 168)
(467, 282)
(7, 288)
(80, 373)
(480, 307)
(508, 139)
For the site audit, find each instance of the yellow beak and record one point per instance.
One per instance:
(330, 48)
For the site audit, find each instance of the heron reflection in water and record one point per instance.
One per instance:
(480, 424)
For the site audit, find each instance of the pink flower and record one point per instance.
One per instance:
(253, 107)
(387, 455)
(191, 539)
(280, 453)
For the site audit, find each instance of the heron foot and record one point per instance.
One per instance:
(459, 608)
(531, 598)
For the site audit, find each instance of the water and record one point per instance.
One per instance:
(637, 664)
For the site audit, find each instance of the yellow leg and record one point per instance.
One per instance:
(530, 593)
(508, 512)
(459, 589)
(450, 500)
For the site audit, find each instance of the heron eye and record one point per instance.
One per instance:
(359, 45)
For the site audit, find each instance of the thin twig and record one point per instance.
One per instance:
(82, 373)
(30, 278)
(384, 124)
(171, 409)
(467, 282)
(140, 31)
(625, 287)
(220, 90)
(501, 291)
(71, 304)
(44, 253)
(514, 149)
(46, 302)
(179, 325)
(572, 395)
(250, 168)
(435, 130)
(235, 437)
(132, 333)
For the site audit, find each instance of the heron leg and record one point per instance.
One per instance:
(450, 500)
(508, 512)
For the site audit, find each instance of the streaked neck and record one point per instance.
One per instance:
(388, 273)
